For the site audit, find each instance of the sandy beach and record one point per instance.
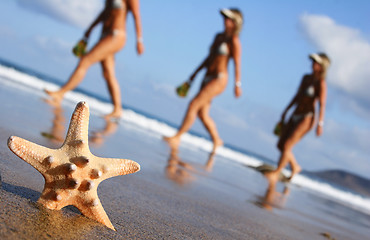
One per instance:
(188, 195)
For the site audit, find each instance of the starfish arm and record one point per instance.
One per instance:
(94, 210)
(34, 154)
(116, 167)
(78, 127)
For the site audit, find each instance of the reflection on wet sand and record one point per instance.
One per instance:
(272, 198)
(57, 132)
(184, 173)
(98, 137)
(67, 223)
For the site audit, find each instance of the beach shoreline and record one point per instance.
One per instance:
(185, 196)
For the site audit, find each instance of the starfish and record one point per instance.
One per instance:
(72, 173)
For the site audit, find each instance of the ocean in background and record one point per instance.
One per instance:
(28, 80)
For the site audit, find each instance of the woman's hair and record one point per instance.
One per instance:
(325, 63)
(323, 60)
(237, 19)
(236, 16)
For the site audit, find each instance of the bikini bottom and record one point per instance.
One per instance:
(299, 117)
(114, 32)
(208, 78)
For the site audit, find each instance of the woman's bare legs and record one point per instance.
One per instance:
(113, 86)
(295, 167)
(290, 129)
(286, 147)
(210, 125)
(188, 120)
(203, 98)
(105, 47)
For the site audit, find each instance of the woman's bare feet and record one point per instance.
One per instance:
(217, 143)
(174, 142)
(116, 114)
(56, 97)
(295, 170)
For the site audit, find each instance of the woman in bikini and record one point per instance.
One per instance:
(311, 90)
(112, 40)
(225, 46)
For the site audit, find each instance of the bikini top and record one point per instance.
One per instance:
(310, 91)
(117, 4)
(223, 49)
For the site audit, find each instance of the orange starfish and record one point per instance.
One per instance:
(72, 173)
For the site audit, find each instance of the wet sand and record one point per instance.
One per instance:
(189, 195)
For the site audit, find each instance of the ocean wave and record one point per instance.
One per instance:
(158, 129)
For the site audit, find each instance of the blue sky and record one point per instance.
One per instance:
(276, 39)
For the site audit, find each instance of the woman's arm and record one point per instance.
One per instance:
(322, 105)
(200, 67)
(236, 55)
(93, 24)
(295, 98)
(206, 61)
(291, 104)
(135, 9)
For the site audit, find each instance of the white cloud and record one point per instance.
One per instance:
(56, 48)
(228, 117)
(348, 137)
(163, 88)
(7, 32)
(48, 43)
(75, 12)
(350, 54)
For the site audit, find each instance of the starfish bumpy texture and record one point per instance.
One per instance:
(72, 173)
